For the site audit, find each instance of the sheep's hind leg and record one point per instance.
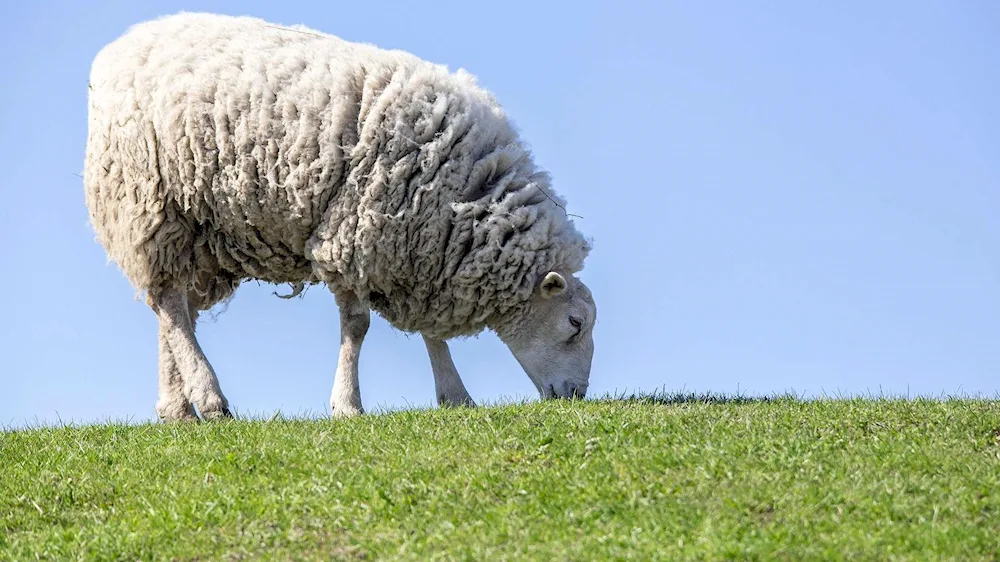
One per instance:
(172, 404)
(345, 399)
(448, 385)
(197, 378)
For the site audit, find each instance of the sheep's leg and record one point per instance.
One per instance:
(447, 383)
(199, 383)
(172, 404)
(345, 399)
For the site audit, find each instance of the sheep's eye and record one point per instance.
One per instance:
(576, 322)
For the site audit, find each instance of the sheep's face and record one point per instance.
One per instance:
(555, 343)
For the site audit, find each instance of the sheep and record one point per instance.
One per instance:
(222, 149)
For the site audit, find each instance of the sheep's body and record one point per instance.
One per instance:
(222, 149)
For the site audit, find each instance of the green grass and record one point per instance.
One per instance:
(653, 479)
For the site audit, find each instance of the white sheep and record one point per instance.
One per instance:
(222, 149)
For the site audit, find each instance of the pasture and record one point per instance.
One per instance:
(656, 477)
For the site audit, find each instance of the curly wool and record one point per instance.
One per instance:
(222, 149)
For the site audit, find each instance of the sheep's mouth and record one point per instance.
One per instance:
(568, 391)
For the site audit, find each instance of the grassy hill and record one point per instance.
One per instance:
(643, 479)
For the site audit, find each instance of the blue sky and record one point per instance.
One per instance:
(787, 196)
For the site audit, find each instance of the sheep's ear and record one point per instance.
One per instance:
(553, 285)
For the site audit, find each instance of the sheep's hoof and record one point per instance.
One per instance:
(176, 412)
(223, 414)
(451, 402)
(344, 412)
(179, 419)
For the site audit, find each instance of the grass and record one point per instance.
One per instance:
(642, 479)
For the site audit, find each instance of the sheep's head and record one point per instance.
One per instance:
(554, 341)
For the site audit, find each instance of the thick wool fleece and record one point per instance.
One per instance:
(225, 148)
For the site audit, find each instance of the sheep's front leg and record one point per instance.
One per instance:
(345, 399)
(197, 378)
(447, 383)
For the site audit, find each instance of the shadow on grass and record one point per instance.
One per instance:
(676, 398)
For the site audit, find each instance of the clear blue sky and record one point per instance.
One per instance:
(795, 196)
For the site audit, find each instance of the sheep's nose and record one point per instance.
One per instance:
(576, 390)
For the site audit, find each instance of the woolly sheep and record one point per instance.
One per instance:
(222, 149)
